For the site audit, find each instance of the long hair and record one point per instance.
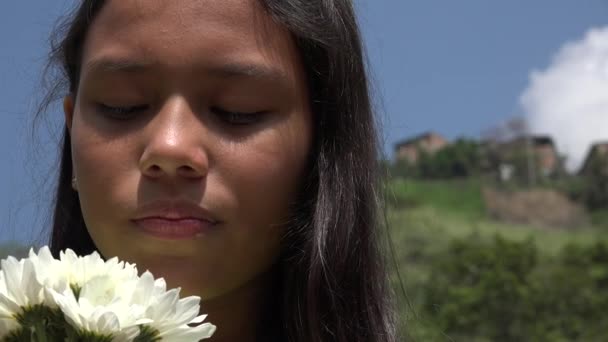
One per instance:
(334, 284)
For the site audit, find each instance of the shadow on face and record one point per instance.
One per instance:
(189, 107)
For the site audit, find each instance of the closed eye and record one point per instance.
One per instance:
(120, 113)
(229, 117)
(238, 118)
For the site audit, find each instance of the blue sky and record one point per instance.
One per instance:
(455, 67)
(458, 67)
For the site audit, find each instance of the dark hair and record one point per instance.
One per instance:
(334, 281)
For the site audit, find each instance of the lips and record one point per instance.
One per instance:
(174, 229)
(174, 219)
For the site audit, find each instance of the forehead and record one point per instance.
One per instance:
(187, 33)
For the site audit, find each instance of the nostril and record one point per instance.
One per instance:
(188, 171)
(155, 171)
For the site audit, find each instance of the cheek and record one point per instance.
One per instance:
(266, 176)
(263, 179)
(103, 172)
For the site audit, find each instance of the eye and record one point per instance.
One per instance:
(120, 113)
(238, 118)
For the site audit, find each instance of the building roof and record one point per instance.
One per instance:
(536, 139)
(593, 150)
(416, 138)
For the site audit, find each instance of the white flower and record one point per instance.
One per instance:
(92, 265)
(79, 270)
(106, 298)
(99, 309)
(48, 269)
(19, 283)
(6, 326)
(19, 289)
(168, 314)
(105, 288)
(7, 312)
(72, 270)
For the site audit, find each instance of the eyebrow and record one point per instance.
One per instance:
(251, 70)
(225, 70)
(113, 65)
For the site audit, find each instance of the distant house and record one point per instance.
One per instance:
(515, 152)
(546, 155)
(409, 149)
(597, 150)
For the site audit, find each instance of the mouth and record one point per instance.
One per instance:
(174, 219)
(174, 229)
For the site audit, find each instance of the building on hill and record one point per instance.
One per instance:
(547, 158)
(526, 156)
(409, 149)
(597, 150)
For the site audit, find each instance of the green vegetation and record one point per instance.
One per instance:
(12, 248)
(461, 197)
(468, 278)
(458, 160)
(594, 189)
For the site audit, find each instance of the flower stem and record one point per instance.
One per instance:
(39, 331)
(147, 334)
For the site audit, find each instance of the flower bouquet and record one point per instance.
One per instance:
(87, 299)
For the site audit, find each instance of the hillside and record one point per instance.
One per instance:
(427, 219)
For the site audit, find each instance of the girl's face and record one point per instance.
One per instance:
(190, 136)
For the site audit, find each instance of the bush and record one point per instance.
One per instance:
(571, 296)
(595, 188)
(458, 160)
(502, 291)
(477, 289)
(599, 218)
(14, 249)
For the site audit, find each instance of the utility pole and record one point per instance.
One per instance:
(531, 161)
(520, 129)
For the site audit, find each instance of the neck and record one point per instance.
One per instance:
(239, 313)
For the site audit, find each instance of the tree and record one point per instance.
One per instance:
(595, 184)
(459, 160)
(14, 249)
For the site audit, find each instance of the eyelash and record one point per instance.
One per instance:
(231, 118)
(237, 118)
(120, 113)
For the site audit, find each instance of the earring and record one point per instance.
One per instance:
(74, 184)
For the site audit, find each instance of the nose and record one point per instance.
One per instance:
(174, 144)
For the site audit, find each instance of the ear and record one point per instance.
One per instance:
(68, 110)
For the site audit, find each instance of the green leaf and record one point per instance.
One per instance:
(91, 337)
(147, 334)
(76, 289)
(39, 324)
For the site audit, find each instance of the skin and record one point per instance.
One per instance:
(179, 62)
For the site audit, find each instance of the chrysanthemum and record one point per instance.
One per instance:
(19, 289)
(98, 309)
(170, 316)
(96, 298)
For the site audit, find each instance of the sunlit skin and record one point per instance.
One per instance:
(176, 68)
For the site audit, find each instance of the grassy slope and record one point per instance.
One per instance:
(425, 216)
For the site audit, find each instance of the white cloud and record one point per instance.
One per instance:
(569, 99)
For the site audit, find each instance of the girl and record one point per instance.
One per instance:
(228, 146)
